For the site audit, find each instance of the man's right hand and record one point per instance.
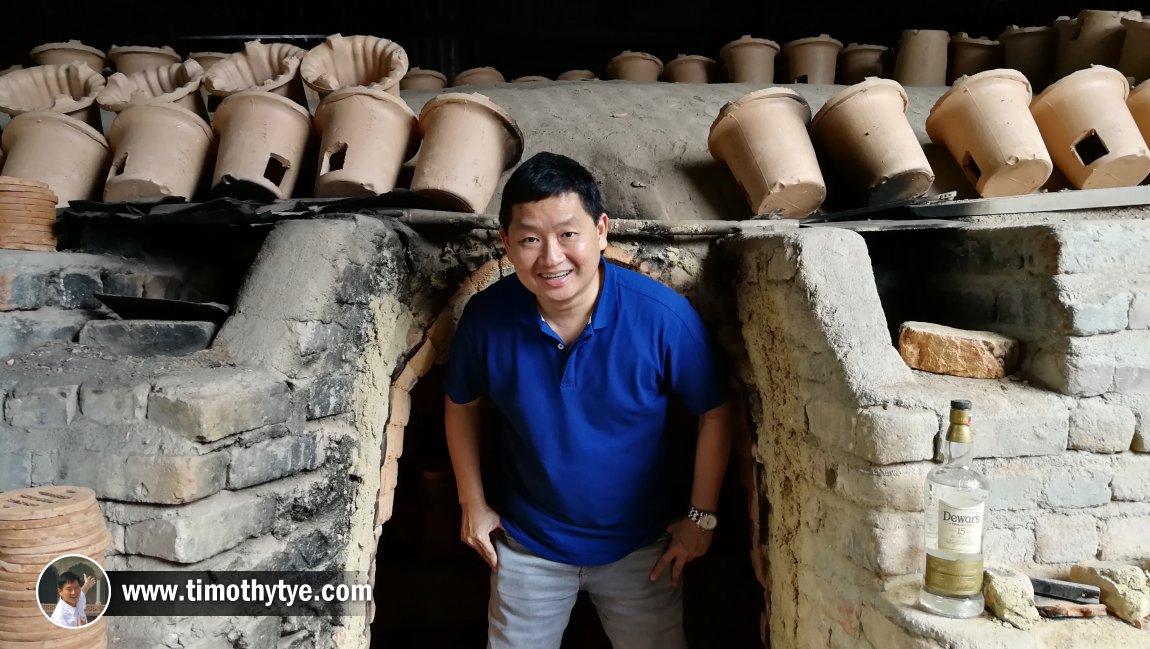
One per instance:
(479, 521)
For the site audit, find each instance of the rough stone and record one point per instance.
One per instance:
(124, 283)
(209, 405)
(21, 331)
(23, 289)
(110, 403)
(1010, 596)
(40, 405)
(78, 288)
(148, 337)
(1101, 427)
(956, 352)
(891, 435)
(178, 534)
(272, 459)
(1139, 317)
(1094, 304)
(1066, 538)
(1125, 589)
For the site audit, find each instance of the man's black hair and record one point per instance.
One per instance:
(66, 578)
(545, 175)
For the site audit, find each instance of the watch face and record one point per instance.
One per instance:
(708, 521)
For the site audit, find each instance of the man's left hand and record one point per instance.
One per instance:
(688, 541)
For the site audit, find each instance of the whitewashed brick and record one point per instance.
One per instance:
(1066, 538)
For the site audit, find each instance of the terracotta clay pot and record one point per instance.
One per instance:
(420, 79)
(1094, 37)
(366, 135)
(577, 75)
(1033, 51)
(813, 60)
(688, 68)
(72, 51)
(864, 130)
(921, 59)
(635, 66)
(973, 55)
(344, 61)
(1139, 104)
(985, 123)
(69, 89)
(177, 84)
(131, 59)
(468, 142)
(750, 60)
(1135, 58)
(208, 59)
(158, 150)
(857, 62)
(10, 69)
(66, 153)
(267, 67)
(529, 79)
(1089, 130)
(762, 137)
(484, 76)
(262, 139)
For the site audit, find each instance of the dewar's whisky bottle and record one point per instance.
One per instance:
(955, 509)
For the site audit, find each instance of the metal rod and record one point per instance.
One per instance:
(637, 227)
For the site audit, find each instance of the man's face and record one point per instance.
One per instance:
(554, 245)
(70, 593)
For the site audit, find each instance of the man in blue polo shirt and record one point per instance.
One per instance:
(581, 357)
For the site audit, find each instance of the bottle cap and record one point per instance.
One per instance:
(960, 404)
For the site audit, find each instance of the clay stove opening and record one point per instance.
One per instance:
(333, 160)
(1090, 148)
(120, 163)
(276, 169)
(432, 590)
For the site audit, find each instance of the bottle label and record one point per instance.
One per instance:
(960, 528)
(953, 578)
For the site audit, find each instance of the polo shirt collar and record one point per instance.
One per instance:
(606, 306)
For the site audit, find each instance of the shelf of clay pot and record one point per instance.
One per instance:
(346, 61)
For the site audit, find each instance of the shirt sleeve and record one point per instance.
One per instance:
(695, 372)
(465, 379)
(59, 614)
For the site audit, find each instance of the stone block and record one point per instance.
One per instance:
(29, 406)
(1139, 316)
(1101, 427)
(272, 459)
(148, 337)
(180, 534)
(163, 287)
(109, 403)
(1014, 484)
(1078, 487)
(1093, 304)
(315, 337)
(957, 352)
(126, 283)
(15, 470)
(208, 405)
(165, 480)
(330, 395)
(389, 475)
(21, 331)
(1011, 547)
(1010, 596)
(24, 289)
(1066, 538)
(1132, 479)
(898, 487)
(1126, 538)
(400, 407)
(891, 435)
(393, 441)
(1023, 423)
(78, 288)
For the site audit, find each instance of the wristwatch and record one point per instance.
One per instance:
(706, 521)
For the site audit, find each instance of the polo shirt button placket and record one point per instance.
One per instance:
(560, 346)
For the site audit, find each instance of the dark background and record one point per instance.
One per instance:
(518, 37)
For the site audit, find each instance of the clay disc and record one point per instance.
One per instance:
(40, 247)
(26, 218)
(61, 543)
(22, 182)
(41, 239)
(92, 514)
(42, 196)
(44, 502)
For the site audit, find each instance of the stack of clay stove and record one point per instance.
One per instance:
(27, 214)
(38, 526)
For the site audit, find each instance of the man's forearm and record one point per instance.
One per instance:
(712, 450)
(462, 425)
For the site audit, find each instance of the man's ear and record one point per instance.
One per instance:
(503, 238)
(601, 230)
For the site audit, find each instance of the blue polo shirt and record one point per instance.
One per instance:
(585, 460)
